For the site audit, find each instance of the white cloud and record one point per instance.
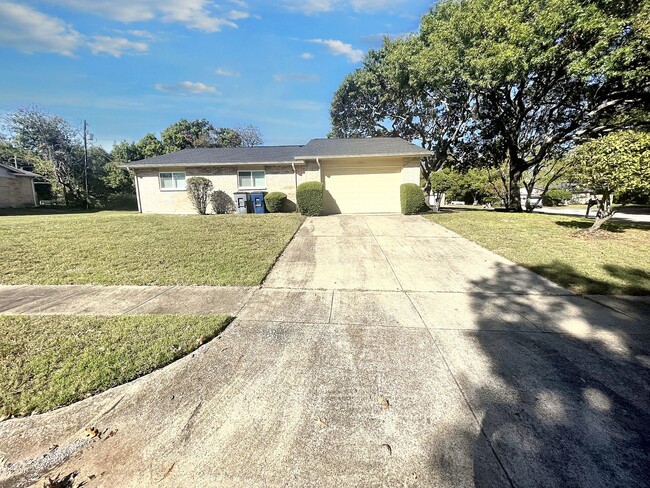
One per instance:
(307, 56)
(226, 72)
(194, 14)
(29, 30)
(239, 3)
(309, 7)
(300, 77)
(142, 34)
(116, 46)
(237, 15)
(339, 48)
(187, 87)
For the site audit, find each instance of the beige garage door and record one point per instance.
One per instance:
(361, 186)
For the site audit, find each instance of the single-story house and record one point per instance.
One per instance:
(17, 188)
(360, 175)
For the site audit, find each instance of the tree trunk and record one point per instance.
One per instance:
(514, 192)
(604, 213)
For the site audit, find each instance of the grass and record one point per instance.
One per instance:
(126, 248)
(50, 361)
(615, 261)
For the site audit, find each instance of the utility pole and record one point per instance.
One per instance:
(86, 161)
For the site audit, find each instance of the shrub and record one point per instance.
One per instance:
(309, 196)
(121, 201)
(411, 198)
(198, 190)
(554, 197)
(221, 202)
(275, 201)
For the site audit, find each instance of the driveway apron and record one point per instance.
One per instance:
(381, 350)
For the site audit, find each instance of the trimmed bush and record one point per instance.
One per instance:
(411, 198)
(275, 201)
(221, 202)
(555, 197)
(309, 196)
(198, 190)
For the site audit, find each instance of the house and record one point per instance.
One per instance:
(17, 188)
(360, 175)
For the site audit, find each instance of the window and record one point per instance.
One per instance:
(251, 180)
(172, 181)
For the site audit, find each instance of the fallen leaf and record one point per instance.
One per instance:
(167, 472)
(92, 432)
(385, 404)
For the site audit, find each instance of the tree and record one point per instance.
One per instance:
(394, 95)
(504, 83)
(614, 164)
(225, 137)
(186, 134)
(544, 74)
(440, 182)
(56, 145)
(249, 135)
(149, 146)
(198, 191)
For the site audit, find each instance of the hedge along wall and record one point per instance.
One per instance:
(309, 196)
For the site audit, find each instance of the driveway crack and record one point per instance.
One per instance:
(390, 265)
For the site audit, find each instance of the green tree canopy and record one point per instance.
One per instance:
(504, 81)
(618, 163)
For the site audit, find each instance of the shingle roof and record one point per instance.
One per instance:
(221, 156)
(19, 172)
(376, 146)
(316, 148)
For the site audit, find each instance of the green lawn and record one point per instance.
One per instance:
(125, 248)
(48, 361)
(612, 262)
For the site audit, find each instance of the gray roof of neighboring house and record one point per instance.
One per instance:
(316, 148)
(18, 172)
(375, 146)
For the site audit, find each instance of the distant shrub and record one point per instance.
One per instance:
(198, 191)
(121, 201)
(555, 197)
(275, 201)
(221, 202)
(411, 198)
(309, 196)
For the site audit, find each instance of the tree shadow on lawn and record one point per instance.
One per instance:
(565, 402)
(615, 227)
(632, 281)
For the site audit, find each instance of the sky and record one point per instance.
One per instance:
(137, 66)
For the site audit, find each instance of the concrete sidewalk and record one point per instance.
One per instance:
(118, 300)
(380, 351)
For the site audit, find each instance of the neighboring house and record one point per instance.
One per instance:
(360, 175)
(17, 188)
(535, 197)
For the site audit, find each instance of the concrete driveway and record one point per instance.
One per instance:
(381, 351)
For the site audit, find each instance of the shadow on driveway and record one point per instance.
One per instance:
(568, 405)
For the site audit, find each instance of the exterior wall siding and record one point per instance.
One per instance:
(278, 178)
(16, 192)
(411, 172)
(224, 178)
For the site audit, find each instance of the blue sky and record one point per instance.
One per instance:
(132, 67)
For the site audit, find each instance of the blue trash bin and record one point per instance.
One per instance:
(258, 203)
